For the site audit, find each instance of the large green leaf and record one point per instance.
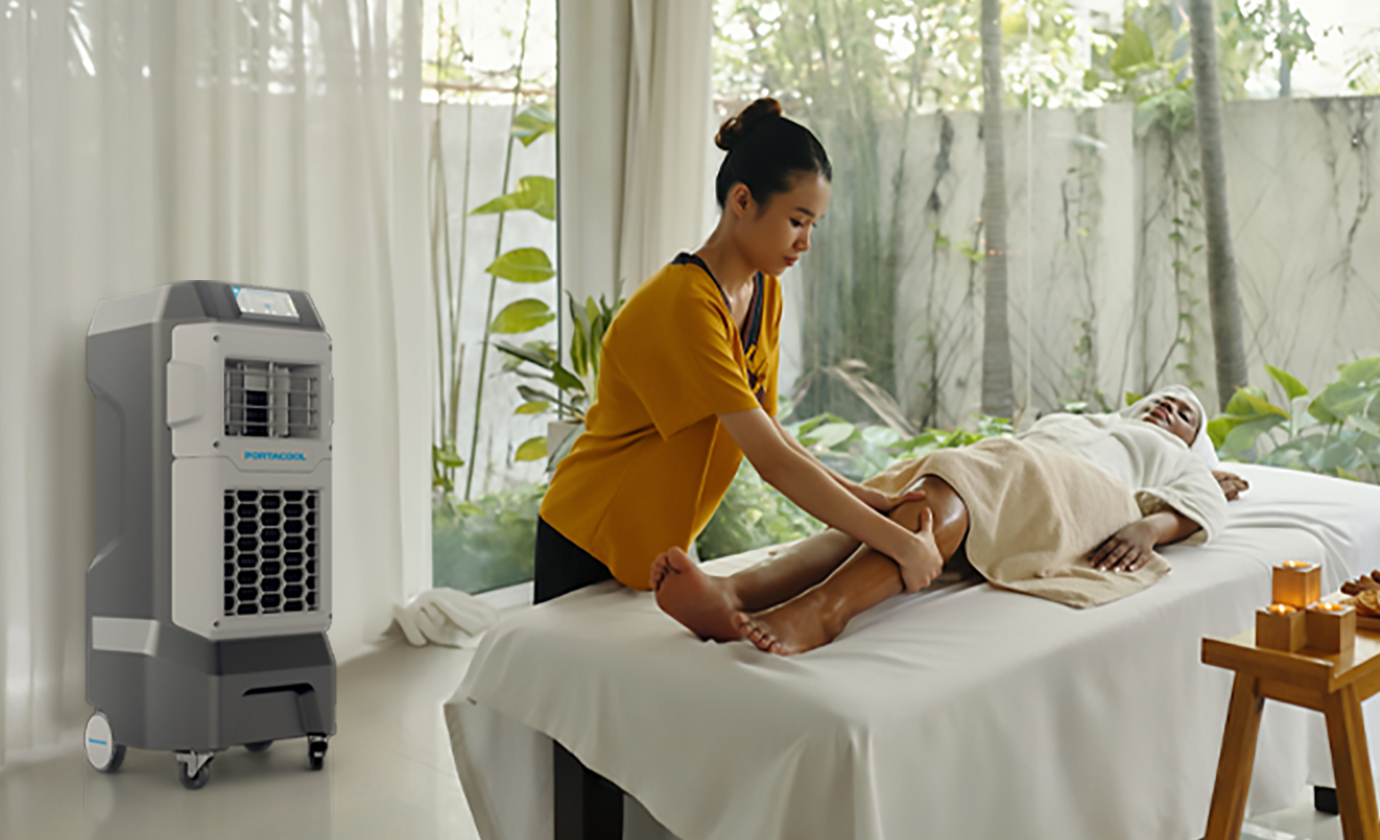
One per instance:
(534, 192)
(522, 316)
(1345, 400)
(1244, 433)
(830, 435)
(447, 456)
(523, 265)
(539, 353)
(1260, 404)
(1366, 425)
(566, 380)
(532, 449)
(533, 123)
(1133, 50)
(1292, 387)
(1361, 373)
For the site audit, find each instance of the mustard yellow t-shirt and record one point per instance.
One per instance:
(653, 462)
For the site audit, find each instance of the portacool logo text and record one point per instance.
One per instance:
(275, 456)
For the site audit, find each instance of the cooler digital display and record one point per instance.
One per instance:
(267, 302)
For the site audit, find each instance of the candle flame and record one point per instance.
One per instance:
(1280, 608)
(1331, 607)
(1296, 564)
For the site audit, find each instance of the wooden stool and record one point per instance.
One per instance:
(1334, 685)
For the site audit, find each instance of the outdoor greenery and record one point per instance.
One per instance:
(1336, 432)
(856, 72)
(488, 543)
(850, 69)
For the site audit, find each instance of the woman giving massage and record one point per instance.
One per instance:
(1032, 514)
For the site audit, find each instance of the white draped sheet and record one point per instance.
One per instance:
(967, 712)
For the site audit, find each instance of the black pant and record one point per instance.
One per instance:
(587, 806)
(562, 566)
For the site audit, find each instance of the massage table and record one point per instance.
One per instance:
(962, 711)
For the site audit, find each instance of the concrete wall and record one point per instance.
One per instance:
(1108, 292)
(1097, 303)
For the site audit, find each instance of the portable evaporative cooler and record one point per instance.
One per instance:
(210, 593)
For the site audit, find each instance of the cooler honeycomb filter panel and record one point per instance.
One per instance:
(272, 399)
(271, 551)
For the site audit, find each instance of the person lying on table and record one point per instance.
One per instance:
(1070, 510)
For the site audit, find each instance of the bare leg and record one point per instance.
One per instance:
(867, 578)
(706, 603)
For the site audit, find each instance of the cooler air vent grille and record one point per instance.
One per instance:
(272, 554)
(271, 399)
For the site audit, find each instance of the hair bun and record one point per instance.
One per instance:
(735, 128)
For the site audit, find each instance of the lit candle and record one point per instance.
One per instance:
(1297, 583)
(1330, 628)
(1280, 627)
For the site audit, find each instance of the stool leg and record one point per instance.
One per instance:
(1236, 761)
(1346, 732)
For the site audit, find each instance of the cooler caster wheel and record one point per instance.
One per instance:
(316, 751)
(258, 746)
(194, 769)
(101, 750)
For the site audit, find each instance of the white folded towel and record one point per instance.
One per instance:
(445, 617)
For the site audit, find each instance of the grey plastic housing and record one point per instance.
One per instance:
(160, 685)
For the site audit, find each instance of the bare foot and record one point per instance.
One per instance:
(794, 627)
(702, 602)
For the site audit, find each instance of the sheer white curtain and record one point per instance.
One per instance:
(637, 157)
(144, 142)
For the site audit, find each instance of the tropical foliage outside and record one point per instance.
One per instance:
(847, 69)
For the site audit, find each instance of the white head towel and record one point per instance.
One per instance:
(1202, 443)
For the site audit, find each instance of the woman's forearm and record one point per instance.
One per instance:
(805, 482)
(1170, 526)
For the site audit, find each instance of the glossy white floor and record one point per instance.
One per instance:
(389, 773)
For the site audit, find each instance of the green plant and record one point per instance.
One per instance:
(447, 284)
(526, 265)
(536, 193)
(588, 325)
(1335, 433)
(488, 543)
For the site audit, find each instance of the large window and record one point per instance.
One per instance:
(1017, 227)
(1075, 213)
(491, 68)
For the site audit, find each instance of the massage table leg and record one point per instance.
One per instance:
(588, 806)
(1325, 799)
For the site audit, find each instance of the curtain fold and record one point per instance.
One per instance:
(145, 142)
(636, 158)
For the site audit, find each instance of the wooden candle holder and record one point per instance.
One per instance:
(1297, 583)
(1330, 628)
(1280, 627)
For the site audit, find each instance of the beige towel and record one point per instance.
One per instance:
(1034, 513)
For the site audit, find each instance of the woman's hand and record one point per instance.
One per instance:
(881, 502)
(1232, 484)
(1126, 550)
(921, 562)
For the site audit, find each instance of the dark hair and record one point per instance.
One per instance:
(764, 151)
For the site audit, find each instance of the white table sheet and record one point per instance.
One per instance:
(969, 712)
